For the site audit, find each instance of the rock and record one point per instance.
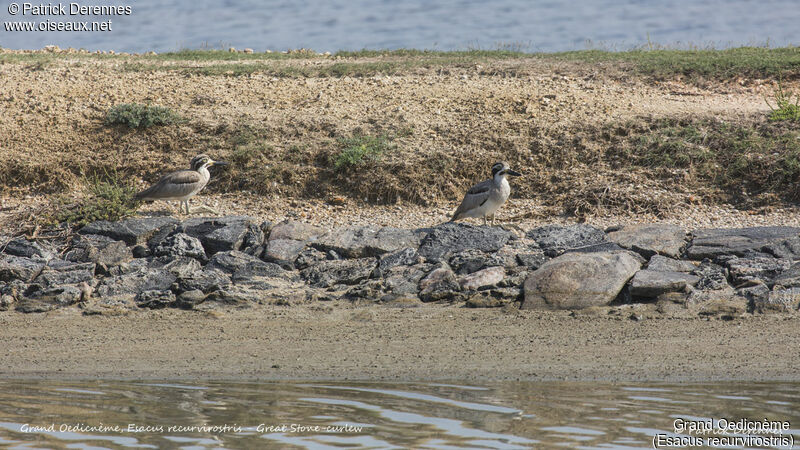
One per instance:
(482, 278)
(649, 240)
(308, 258)
(788, 248)
(532, 260)
(370, 290)
(283, 252)
(182, 267)
(131, 231)
(596, 248)
(779, 300)
(712, 276)
(756, 269)
(404, 280)
(104, 251)
(328, 273)
(712, 243)
(130, 284)
(554, 240)
(440, 284)
(652, 283)
(19, 268)
(491, 299)
(756, 293)
(450, 238)
(469, 261)
(401, 257)
(663, 264)
(190, 299)
(219, 234)
(579, 280)
(6, 302)
(366, 241)
(207, 280)
(155, 299)
(242, 265)
(297, 231)
(58, 272)
(181, 244)
(50, 298)
(721, 303)
(141, 251)
(789, 277)
(29, 249)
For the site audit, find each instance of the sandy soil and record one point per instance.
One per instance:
(432, 342)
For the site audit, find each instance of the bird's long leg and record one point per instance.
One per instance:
(492, 219)
(484, 220)
(186, 202)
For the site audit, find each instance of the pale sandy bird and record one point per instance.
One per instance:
(183, 184)
(486, 197)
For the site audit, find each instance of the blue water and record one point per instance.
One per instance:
(507, 415)
(326, 25)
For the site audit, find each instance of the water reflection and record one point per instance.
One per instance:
(509, 415)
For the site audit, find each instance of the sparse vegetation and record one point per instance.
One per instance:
(135, 115)
(784, 108)
(109, 198)
(361, 149)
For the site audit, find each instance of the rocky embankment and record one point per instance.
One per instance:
(203, 263)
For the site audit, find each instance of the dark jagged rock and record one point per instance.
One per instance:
(756, 241)
(19, 268)
(756, 269)
(652, 283)
(221, 233)
(450, 238)
(649, 240)
(532, 260)
(402, 257)
(469, 261)
(155, 299)
(206, 280)
(440, 284)
(712, 276)
(779, 300)
(789, 277)
(554, 240)
(130, 284)
(404, 280)
(596, 248)
(308, 258)
(104, 251)
(58, 272)
(242, 266)
(42, 300)
(131, 231)
(328, 273)
(366, 241)
(181, 244)
(283, 252)
(182, 267)
(579, 280)
(663, 264)
(30, 249)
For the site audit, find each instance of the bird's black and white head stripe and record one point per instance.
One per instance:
(499, 167)
(199, 161)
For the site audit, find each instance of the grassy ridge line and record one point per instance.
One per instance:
(754, 62)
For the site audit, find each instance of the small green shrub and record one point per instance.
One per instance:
(361, 148)
(109, 199)
(784, 108)
(135, 115)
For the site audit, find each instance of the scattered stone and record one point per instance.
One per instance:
(181, 244)
(554, 240)
(712, 243)
(663, 264)
(487, 277)
(328, 273)
(652, 283)
(579, 280)
(131, 231)
(649, 240)
(450, 238)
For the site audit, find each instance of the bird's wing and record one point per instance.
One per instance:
(475, 197)
(176, 184)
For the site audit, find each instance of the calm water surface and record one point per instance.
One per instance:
(374, 415)
(330, 25)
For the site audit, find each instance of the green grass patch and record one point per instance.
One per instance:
(110, 198)
(785, 108)
(361, 149)
(135, 115)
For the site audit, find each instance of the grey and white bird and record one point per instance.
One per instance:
(486, 197)
(183, 184)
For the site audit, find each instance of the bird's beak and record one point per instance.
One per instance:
(219, 163)
(513, 172)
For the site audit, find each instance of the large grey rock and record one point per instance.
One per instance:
(663, 264)
(450, 238)
(489, 276)
(712, 243)
(182, 266)
(532, 260)
(297, 231)
(155, 299)
(283, 252)
(757, 269)
(131, 231)
(42, 300)
(19, 268)
(440, 284)
(308, 258)
(206, 280)
(242, 266)
(554, 240)
(104, 251)
(29, 249)
(402, 257)
(130, 284)
(652, 283)
(778, 300)
(181, 244)
(579, 280)
(219, 234)
(58, 272)
(712, 276)
(366, 241)
(789, 277)
(648, 240)
(404, 280)
(328, 273)
(469, 261)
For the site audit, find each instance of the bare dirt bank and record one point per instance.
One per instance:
(432, 342)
